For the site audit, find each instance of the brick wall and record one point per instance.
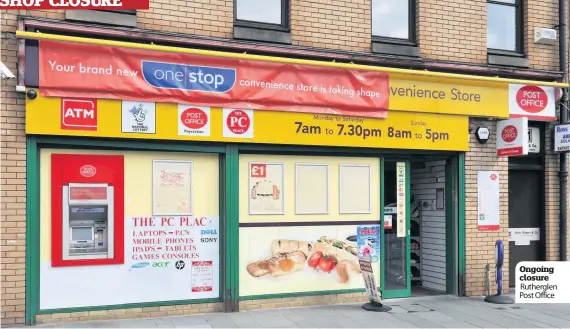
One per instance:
(344, 25)
(130, 313)
(303, 301)
(480, 246)
(13, 186)
(453, 30)
(544, 14)
(202, 17)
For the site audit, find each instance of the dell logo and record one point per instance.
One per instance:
(188, 77)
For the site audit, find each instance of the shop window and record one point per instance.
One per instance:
(505, 33)
(262, 20)
(394, 27)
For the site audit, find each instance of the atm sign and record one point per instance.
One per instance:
(79, 114)
(88, 193)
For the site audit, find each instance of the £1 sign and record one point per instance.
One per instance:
(78, 114)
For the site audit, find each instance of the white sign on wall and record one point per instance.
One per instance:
(523, 236)
(177, 254)
(533, 140)
(562, 138)
(512, 137)
(533, 102)
(488, 199)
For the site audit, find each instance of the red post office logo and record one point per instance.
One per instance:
(509, 134)
(532, 99)
(194, 118)
(238, 122)
(79, 114)
(87, 171)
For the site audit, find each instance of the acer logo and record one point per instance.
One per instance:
(87, 171)
(79, 114)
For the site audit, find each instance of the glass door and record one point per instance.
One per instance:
(396, 278)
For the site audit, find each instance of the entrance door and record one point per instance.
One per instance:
(396, 280)
(525, 212)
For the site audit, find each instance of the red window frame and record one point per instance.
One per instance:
(65, 169)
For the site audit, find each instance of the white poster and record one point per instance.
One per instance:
(401, 200)
(193, 120)
(174, 255)
(266, 188)
(488, 199)
(512, 137)
(171, 188)
(138, 117)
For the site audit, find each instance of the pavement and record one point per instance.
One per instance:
(421, 312)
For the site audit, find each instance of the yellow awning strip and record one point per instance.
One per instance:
(200, 52)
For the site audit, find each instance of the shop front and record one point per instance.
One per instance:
(271, 167)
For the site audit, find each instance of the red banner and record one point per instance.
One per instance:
(93, 71)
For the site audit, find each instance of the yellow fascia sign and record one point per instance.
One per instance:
(401, 130)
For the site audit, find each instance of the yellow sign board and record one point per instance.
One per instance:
(401, 130)
(427, 94)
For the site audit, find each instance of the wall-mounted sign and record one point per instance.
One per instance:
(512, 137)
(523, 236)
(562, 138)
(533, 140)
(488, 200)
(533, 102)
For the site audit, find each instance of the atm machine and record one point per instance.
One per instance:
(88, 212)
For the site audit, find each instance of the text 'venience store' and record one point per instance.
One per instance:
(188, 180)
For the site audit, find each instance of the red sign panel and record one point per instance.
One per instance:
(87, 193)
(79, 114)
(258, 170)
(82, 70)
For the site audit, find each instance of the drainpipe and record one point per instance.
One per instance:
(563, 172)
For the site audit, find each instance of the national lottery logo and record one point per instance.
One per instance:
(188, 77)
(139, 113)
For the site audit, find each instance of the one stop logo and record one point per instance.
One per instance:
(509, 134)
(532, 99)
(238, 123)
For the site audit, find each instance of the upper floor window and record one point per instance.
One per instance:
(394, 20)
(504, 26)
(269, 14)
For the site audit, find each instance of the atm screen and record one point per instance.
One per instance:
(81, 233)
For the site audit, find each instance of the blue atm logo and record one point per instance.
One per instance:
(188, 77)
